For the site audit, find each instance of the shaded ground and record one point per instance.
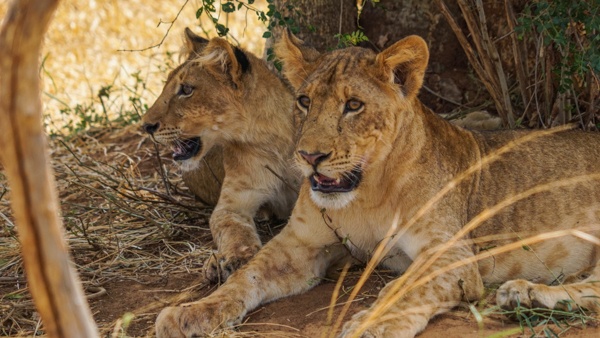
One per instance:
(138, 249)
(303, 315)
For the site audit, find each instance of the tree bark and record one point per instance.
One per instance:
(53, 282)
(327, 17)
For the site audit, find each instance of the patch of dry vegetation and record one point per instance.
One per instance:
(118, 222)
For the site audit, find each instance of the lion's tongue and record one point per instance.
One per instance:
(324, 180)
(178, 150)
(185, 149)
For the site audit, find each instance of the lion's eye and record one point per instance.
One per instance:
(185, 90)
(303, 102)
(353, 106)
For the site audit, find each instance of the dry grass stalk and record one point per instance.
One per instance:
(484, 58)
(419, 268)
(520, 56)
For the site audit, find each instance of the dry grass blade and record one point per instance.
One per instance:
(484, 58)
(520, 56)
(420, 267)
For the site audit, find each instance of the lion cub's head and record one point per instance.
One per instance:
(351, 106)
(201, 101)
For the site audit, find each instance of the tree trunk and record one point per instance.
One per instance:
(54, 285)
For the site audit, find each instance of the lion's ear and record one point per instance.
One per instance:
(296, 58)
(404, 63)
(221, 58)
(194, 44)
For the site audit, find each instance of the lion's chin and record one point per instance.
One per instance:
(332, 200)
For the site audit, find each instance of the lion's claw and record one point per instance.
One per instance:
(218, 267)
(197, 319)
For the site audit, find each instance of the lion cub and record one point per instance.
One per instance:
(383, 170)
(224, 106)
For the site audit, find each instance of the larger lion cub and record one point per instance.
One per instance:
(442, 200)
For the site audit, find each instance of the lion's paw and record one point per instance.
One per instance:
(167, 323)
(353, 327)
(196, 319)
(219, 266)
(394, 328)
(350, 330)
(524, 293)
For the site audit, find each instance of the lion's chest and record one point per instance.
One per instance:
(362, 233)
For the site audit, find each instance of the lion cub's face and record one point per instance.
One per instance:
(199, 103)
(350, 111)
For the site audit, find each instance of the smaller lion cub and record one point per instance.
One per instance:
(225, 107)
(450, 209)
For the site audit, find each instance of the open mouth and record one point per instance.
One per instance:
(348, 182)
(186, 148)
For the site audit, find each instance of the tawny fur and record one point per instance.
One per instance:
(408, 155)
(244, 120)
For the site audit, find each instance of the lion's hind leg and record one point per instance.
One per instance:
(581, 293)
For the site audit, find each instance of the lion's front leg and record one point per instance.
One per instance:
(237, 242)
(287, 265)
(232, 227)
(407, 313)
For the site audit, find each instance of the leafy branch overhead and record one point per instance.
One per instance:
(273, 17)
(571, 27)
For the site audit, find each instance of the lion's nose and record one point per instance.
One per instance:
(313, 158)
(150, 128)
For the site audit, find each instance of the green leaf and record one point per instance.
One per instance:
(228, 7)
(267, 35)
(199, 12)
(221, 29)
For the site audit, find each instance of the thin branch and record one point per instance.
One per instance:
(171, 23)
